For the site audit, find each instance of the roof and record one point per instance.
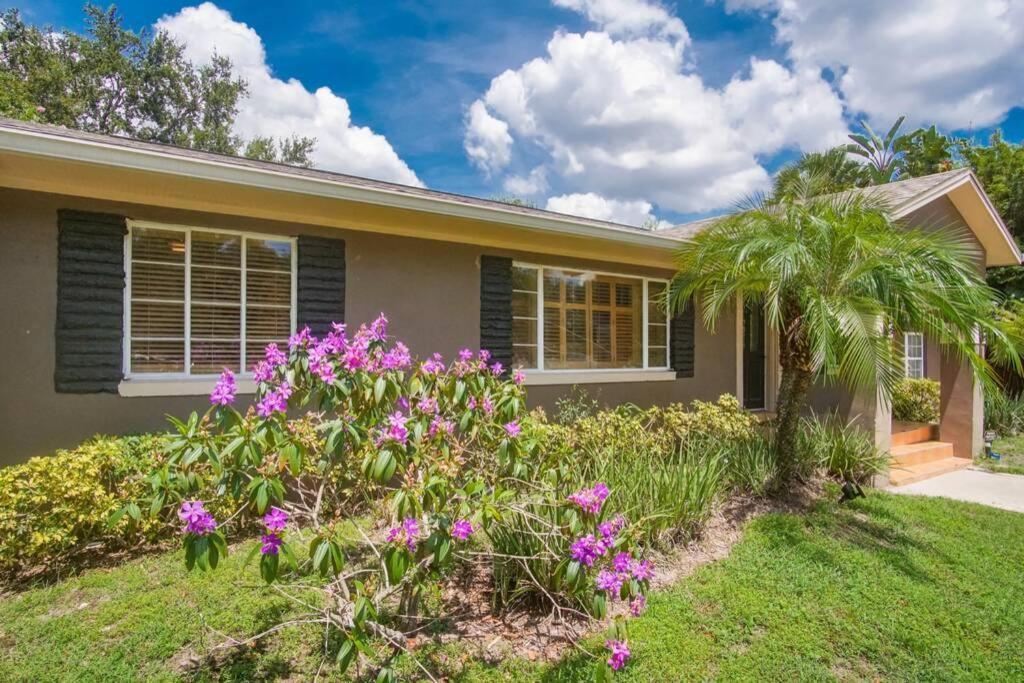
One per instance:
(49, 140)
(905, 196)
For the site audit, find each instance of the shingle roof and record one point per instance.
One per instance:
(896, 194)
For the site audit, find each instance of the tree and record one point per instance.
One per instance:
(925, 151)
(834, 171)
(883, 155)
(116, 81)
(837, 274)
(999, 166)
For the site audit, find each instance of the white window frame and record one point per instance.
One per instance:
(907, 357)
(540, 375)
(183, 380)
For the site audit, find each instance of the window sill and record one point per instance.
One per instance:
(556, 377)
(197, 386)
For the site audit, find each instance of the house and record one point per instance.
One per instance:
(136, 271)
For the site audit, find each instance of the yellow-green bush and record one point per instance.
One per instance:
(630, 429)
(53, 505)
(916, 400)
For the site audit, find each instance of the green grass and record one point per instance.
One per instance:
(891, 587)
(1011, 448)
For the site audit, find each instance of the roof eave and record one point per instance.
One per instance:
(98, 153)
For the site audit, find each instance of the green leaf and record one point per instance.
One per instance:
(396, 562)
(384, 467)
(346, 653)
(378, 389)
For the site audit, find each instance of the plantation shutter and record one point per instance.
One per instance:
(682, 338)
(496, 308)
(90, 302)
(321, 283)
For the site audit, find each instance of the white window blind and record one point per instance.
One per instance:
(203, 300)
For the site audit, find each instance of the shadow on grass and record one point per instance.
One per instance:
(249, 662)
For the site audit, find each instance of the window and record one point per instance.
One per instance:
(576, 320)
(913, 354)
(204, 300)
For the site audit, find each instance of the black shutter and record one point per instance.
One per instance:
(321, 283)
(90, 302)
(496, 308)
(683, 346)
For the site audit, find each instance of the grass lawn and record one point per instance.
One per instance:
(1011, 448)
(892, 587)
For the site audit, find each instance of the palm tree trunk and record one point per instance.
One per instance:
(795, 384)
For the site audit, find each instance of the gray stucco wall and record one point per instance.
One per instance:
(429, 289)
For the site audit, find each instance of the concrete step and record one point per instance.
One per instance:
(904, 433)
(919, 453)
(909, 474)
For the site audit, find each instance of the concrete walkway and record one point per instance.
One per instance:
(1004, 491)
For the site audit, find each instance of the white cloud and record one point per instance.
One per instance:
(535, 182)
(628, 17)
(626, 119)
(590, 205)
(284, 107)
(956, 63)
(488, 143)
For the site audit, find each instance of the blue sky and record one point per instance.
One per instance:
(631, 109)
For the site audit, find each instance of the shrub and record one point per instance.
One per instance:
(841, 450)
(916, 400)
(1004, 414)
(751, 465)
(55, 505)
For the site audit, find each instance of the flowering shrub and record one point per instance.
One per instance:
(439, 440)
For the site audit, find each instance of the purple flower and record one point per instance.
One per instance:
(224, 392)
(197, 520)
(465, 355)
(271, 544)
(300, 339)
(619, 655)
(438, 425)
(519, 377)
(427, 406)
(462, 529)
(637, 605)
(434, 366)
(397, 358)
(590, 500)
(641, 571)
(262, 372)
(324, 370)
(621, 562)
(513, 429)
(275, 356)
(587, 549)
(276, 519)
(609, 581)
(484, 355)
(403, 404)
(355, 357)
(609, 530)
(379, 328)
(276, 401)
(396, 430)
(488, 405)
(497, 368)
(409, 531)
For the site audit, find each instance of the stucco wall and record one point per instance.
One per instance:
(429, 289)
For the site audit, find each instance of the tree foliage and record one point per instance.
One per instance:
(116, 81)
(837, 275)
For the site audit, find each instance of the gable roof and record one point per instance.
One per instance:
(21, 137)
(904, 197)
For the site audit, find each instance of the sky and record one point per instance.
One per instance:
(636, 111)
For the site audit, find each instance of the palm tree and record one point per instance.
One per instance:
(837, 274)
(883, 154)
(832, 170)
